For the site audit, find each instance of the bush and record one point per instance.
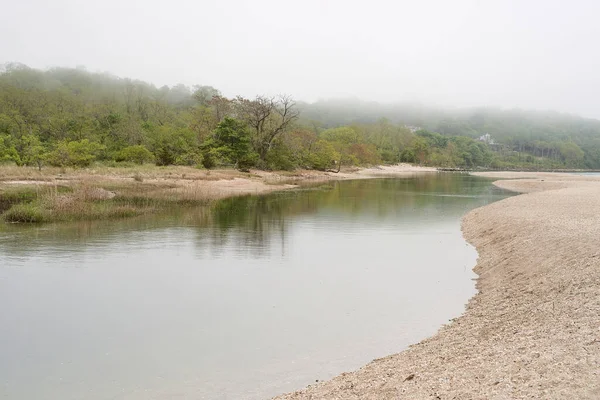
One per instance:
(174, 146)
(8, 153)
(323, 156)
(208, 161)
(280, 158)
(25, 212)
(79, 153)
(137, 154)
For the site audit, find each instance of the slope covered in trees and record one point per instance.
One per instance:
(544, 139)
(71, 117)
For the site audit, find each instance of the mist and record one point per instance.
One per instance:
(534, 55)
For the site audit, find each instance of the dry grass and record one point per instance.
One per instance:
(104, 192)
(85, 196)
(99, 171)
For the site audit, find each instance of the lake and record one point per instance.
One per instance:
(246, 299)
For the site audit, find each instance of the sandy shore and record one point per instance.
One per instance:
(533, 330)
(210, 184)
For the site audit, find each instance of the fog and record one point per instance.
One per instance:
(529, 54)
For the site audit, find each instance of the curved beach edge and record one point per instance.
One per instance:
(533, 328)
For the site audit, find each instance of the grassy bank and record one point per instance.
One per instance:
(93, 200)
(103, 192)
(31, 196)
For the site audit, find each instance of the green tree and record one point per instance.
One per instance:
(231, 144)
(34, 153)
(172, 145)
(78, 153)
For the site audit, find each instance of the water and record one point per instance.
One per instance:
(247, 299)
(587, 173)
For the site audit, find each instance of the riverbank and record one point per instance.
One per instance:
(533, 329)
(29, 195)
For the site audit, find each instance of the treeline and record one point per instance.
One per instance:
(519, 138)
(71, 117)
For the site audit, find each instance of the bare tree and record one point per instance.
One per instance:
(222, 107)
(269, 117)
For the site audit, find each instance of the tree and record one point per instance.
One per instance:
(230, 143)
(572, 154)
(34, 152)
(172, 145)
(204, 94)
(268, 117)
(79, 153)
(8, 153)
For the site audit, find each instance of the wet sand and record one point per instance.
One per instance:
(533, 329)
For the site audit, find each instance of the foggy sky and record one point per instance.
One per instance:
(540, 54)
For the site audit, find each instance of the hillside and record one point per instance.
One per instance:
(73, 118)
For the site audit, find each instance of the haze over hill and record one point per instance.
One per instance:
(535, 54)
(70, 117)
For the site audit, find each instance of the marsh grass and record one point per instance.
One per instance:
(25, 212)
(104, 192)
(98, 199)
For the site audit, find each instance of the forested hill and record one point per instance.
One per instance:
(71, 117)
(532, 132)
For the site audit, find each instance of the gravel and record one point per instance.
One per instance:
(533, 329)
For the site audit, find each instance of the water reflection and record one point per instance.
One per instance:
(242, 300)
(253, 222)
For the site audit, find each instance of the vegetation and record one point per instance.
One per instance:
(114, 192)
(72, 118)
(515, 139)
(95, 199)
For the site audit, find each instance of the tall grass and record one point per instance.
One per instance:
(26, 212)
(98, 200)
(102, 192)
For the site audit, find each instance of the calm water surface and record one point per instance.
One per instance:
(252, 297)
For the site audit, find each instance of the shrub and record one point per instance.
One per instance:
(79, 153)
(25, 212)
(138, 154)
(280, 157)
(174, 146)
(323, 156)
(208, 161)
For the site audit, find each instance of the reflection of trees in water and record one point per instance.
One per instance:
(249, 224)
(253, 222)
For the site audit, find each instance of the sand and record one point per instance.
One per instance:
(213, 184)
(533, 329)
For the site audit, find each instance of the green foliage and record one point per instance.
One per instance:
(572, 154)
(174, 146)
(34, 153)
(8, 153)
(138, 154)
(208, 161)
(79, 153)
(280, 157)
(323, 157)
(230, 144)
(25, 212)
(343, 135)
(70, 117)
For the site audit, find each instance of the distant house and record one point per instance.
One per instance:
(413, 128)
(487, 138)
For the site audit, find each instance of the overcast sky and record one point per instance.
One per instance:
(540, 54)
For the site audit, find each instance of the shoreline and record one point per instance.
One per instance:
(54, 195)
(533, 328)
